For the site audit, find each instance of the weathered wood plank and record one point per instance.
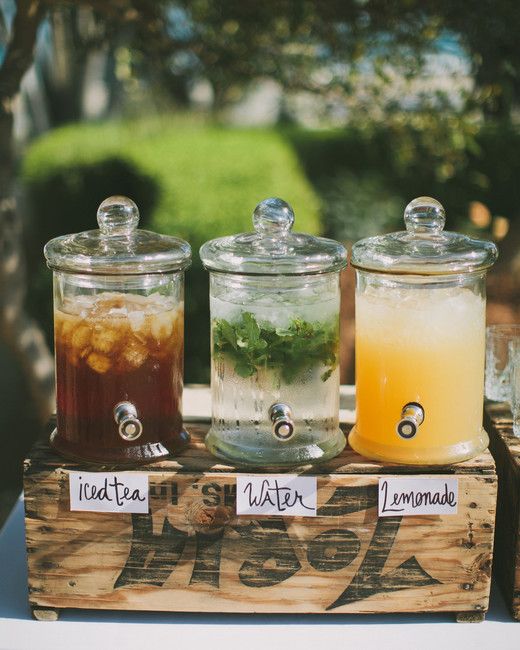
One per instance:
(506, 451)
(192, 553)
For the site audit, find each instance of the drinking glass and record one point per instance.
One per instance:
(498, 362)
(514, 363)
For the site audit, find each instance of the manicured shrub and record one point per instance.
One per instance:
(192, 180)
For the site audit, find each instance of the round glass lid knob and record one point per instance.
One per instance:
(424, 215)
(273, 217)
(117, 216)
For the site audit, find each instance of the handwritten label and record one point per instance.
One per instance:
(286, 495)
(108, 491)
(418, 496)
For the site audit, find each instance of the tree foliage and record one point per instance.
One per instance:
(331, 47)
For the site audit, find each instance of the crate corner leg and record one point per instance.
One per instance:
(470, 617)
(45, 613)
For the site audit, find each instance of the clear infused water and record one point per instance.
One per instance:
(297, 366)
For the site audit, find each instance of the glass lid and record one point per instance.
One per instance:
(424, 248)
(118, 247)
(273, 249)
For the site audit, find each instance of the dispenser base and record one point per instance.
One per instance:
(191, 553)
(135, 454)
(282, 456)
(436, 456)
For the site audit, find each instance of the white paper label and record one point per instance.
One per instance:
(108, 491)
(418, 496)
(287, 495)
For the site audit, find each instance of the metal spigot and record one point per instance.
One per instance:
(283, 425)
(412, 416)
(129, 425)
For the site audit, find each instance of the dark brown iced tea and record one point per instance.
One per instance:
(113, 348)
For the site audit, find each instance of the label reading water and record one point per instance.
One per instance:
(108, 491)
(287, 495)
(418, 496)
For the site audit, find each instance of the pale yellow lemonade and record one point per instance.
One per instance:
(425, 345)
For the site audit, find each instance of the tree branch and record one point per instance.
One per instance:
(19, 332)
(19, 55)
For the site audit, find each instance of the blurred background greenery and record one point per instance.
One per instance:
(195, 181)
(200, 109)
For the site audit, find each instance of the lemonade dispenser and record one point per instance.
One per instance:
(274, 300)
(420, 341)
(118, 329)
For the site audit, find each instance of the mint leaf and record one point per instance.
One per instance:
(244, 369)
(326, 374)
(250, 328)
(291, 350)
(228, 333)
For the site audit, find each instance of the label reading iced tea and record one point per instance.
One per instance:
(108, 491)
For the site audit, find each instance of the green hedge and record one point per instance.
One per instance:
(196, 181)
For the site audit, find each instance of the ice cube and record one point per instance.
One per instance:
(100, 363)
(135, 301)
(64, 327)
(105, 339)
(108, 303)
(158, 303)
(162, 325)
(135, 354)
(81, 337)
(136, 319)
(83, 302)
(77, 304)
(118, 312)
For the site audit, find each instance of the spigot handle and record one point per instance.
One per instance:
(283, 425)
(412, 416)
(129, 425)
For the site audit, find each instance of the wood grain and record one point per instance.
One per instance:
(506, 451)
(192, 553)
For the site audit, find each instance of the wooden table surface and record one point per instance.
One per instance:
(82, 629)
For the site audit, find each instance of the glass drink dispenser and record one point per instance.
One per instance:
(274, 299)
(118, 324)
(420, 341)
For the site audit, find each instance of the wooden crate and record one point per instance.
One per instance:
(506, 451)
(192, 553)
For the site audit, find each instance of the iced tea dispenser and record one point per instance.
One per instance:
(118, 324)
(274, 300)
(420, 341)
